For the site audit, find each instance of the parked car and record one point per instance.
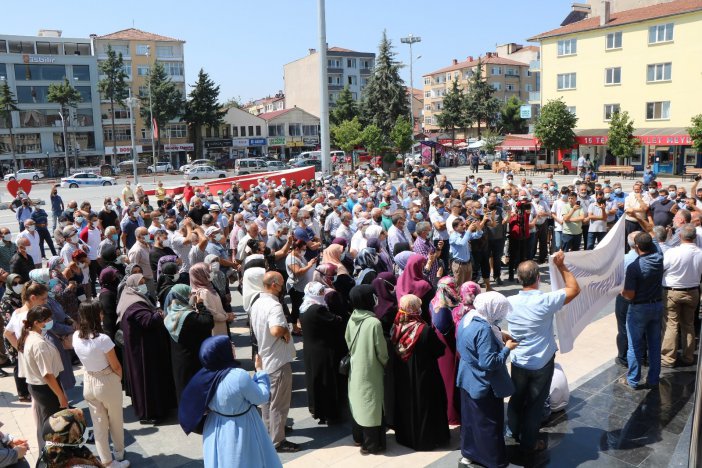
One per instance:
(86, 179)
(197, 162)
(30, 174)
(204, 172)
(304, 156)
(276, 165)
(250, 166)
(308, 162)
(160, 167)
(127, 168)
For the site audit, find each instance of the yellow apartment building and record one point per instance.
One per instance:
(645, 61)
(140, 51)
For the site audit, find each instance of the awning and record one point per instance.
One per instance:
(476, 144)
(517, 144)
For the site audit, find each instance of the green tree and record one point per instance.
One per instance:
(510, 118)
(491, 140)
(344, 109)
(8, 104)
(695, 131)
(481, 104)
(347, 135)
(165, 100)
(114, 88)
(373, 139)
(453, 114)
(385, 95)
(203, 109)
(620, 138)
(233, 102)
(67, 97)
(401, 134)
(554, 127)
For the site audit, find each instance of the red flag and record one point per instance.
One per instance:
(154, 126)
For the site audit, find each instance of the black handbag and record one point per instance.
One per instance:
(345, 363)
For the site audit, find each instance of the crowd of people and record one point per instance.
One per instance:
(389, 286)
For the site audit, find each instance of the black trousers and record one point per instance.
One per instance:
(496, 248)
(20, 382)
(45, 236)
(517, 254)
(541, 242)
(46, 403)
(94, 270)
(296, 298)
(372, 439)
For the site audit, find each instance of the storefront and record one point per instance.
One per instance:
(522, 148)
(177, 153)
(276, 147)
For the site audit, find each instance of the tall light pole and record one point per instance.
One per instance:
(411, 40)
(151, 111)
(133, 102)
(324, 90)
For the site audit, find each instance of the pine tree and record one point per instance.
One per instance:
(65, 96)
(344, 109)
(510, 117)
(166, 101)
(385, 96)
(620, 138)
(114, 88)
(202, 108)
(555, 125)
(481, 104)
(453, 112)
(8, 104)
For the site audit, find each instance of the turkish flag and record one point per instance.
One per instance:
(154, 126)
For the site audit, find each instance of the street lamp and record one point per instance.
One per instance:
(132, 103)
(411, 40)
(151, 111)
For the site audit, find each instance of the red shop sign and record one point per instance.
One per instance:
(651, 140)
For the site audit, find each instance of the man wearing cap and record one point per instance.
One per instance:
(215, 247)
(221, 219)
(352, 200)
(70, 234)
(30, 233)
(262, 222)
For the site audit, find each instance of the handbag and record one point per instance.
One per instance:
(345, 363)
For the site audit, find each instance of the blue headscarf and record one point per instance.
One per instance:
(217, 360)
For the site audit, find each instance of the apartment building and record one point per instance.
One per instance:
(291, 131)
(140, 51)
(267, 104)
(29, 64)
(344, 68)
(507, 76)
(638, 60)
(417, 96)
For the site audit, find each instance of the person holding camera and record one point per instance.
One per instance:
(572, 224)
(521, 221)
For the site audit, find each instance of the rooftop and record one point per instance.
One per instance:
(274, 114)
(661, 10)
(492, 59)
(133, 34)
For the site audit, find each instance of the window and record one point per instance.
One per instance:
(427, 80)
(3, 71)
(235, 131)
(496, 86)
(47, 48)
(24, 143)
(610, 110)
(119, 49)
(659, 72)
(119, 114)
(613, 76)
(85, 93)
(567, 47)
(242, 130)
(145, 134)
(352, 79)
(427, 119)
(21, 47)
(128, 68)
(142, 49)
(511, 72)
(72, 48)
(571, 109)
(333, 63)
(494, 71)
(165, 52)
(81, 72)
(143, 91)
(310, 130)
(566, 81)
(427, 107)
(173, 68)
(121, 134)
(3, 46)
(528, 87)
(25, 72)
(295, 129)
(258, 130)
(660, 33)
(32, 94)
(659, 110)
(83, 118)
(251, 130)
(468, 74)
(509, 87)
(143, 70)
(36, 118)
(276, 130)
(367, 64)
(427, 94)
(351, 63)
(334, 80)
(177, 130)
(614, 40)
(456, 75)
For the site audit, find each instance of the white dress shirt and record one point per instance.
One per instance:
(683, 266)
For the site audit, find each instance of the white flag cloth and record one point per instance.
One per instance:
(600, 274)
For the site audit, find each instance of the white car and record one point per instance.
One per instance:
(160, 167)
(197, 162)
(204, 172)
(86, 179)
(30, 174)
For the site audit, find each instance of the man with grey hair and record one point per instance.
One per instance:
(681, 280)
(396, 233)
(139, 254)
(344, 229)
(31, 234)
(531, 324)
(21, 262)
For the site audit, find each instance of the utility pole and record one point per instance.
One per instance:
(133, 102)
(324, 90)
(411, 40)
(151, 110)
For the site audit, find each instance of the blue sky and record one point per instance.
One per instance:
(244, 44)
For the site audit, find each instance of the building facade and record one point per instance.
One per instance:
(291, 131)
(29, 65)
(508, 77)
(240, 135)
(344, 68)
(637, 61)
(140, 51)
(267, 104)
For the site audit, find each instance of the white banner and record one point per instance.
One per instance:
(600, 274)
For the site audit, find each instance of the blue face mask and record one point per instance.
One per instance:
(479, 212)
(441, 211)
(617, 191)
(114, 237)
(419, 216)
(48, 325)
(281, 215)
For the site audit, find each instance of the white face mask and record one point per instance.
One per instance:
(166, 242)
(218, 237)
(31, 228)
(108, 207)
(95, 224)
(79, 219)
(214, 266)
(7, 237)
(142, 289)
(74, 239)
(17, 288)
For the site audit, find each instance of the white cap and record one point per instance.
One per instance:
(211, 230)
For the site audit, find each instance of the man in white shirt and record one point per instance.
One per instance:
(681, 281)
(30, 233)
(455, 214)
(276, 349)
(597, 218)
(557, 214)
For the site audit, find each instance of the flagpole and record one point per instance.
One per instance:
(151, 115)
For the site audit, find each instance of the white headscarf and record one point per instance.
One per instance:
(491, 306)
(314, 295)
(252, 285)
(373, 232)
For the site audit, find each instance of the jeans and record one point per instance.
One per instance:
(621, 306)
(557, 240)
(54, 218)
(592, 237)
(571, 242)
(542, 242)
(526, 405)
(644, 319)
(531, 246)
(496, 249)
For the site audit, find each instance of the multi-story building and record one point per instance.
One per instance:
(344, 68)
(507, 76)
(637, 60)
(140, 51)
(267, 104)
(291, 131)
(29, 64)
(417, 97)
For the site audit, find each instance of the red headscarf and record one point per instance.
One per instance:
(412, 281)
(407, 329)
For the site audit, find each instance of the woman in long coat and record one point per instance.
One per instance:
(146, 352)
(386, 310)
(369, 355)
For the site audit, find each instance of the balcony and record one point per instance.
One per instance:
(335, 87)
(534, 97)
(335, 71)
(366, 71)
(535, 65)
(108, 122)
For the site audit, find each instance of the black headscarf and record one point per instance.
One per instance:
(363, 297)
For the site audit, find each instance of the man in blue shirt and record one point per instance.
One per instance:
(459, 247)
(621, 306)
(643, 287)
(56, 205)
(531, 324)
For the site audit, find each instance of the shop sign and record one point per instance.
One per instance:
(591, 140)
(443, 141)
(310, 140)
(651, 140)
(222, 143)
(123, 149)
(276, 141)
(240, 142)
(179, 147)
(294, 142)
(525, 111)
(37, 59)
(257, 142)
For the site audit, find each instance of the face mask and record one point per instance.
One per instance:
(240, 223)
(479, 212)
(214, 266)
(31, 228)
(651, 191)
(95, 224)
(108, 207)
(48, 325)
(17, 288)
(281, 215)
(528, 185)
(218, 237)
(564, 197)
(617, 190)
(64, 223)
(419, 216)
(79, 219)
(166, 242)
(114, 237)
(7, 237)
(209, 198)
(70, 210)
(606, 196)
(552, 188)
(142, 289)
(74, 238)
(118, 203)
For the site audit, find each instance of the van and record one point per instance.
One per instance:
(316, 155)
(250, 166)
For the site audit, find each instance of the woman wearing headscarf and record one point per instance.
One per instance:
(64, 433)
(109, 280)
(441, 306)
(201, 286)
(61, 330)
(131, 269)
(326, 274)
(332, 254)
(146, 352)
(67, 293)
(385, 310)
(224, 396)
(420, 400)
(322, 345)
(219, 281)
(11, 301)
(483, 380)
(384, 262)
(251, 289)
(189, 326)
(366, 266)
(413, 281)
(166, 280)
(469, 290)
(110, 257)
(369, 355)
